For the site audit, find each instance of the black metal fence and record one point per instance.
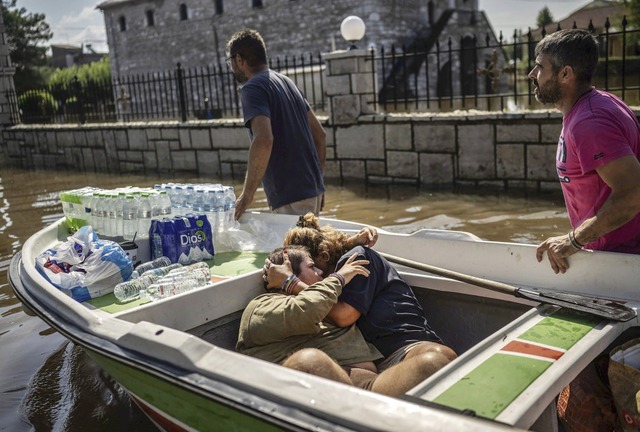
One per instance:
(477, 74)
(184, 93)
(428, 75)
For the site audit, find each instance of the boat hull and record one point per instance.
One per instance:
(163, 355)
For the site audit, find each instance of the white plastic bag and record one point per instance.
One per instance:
(84, 266)
(254, 236)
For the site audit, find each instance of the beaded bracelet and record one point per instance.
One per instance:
(339, 277)
(574, 242)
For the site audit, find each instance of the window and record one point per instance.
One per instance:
(150, 21)
(122, 23)
(184, 15)
(256, 3)
(219, 7)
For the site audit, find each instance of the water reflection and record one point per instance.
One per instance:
(46, 383)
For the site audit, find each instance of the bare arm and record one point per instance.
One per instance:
(259, 154)
(319, 138)
(623, 177)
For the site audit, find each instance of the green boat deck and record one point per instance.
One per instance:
(224, 265)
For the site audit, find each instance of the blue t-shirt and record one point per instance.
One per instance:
(391, 316)
(293, 173)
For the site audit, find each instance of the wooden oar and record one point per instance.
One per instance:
(593, 305)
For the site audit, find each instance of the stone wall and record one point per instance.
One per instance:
(477, 149)
(289, 27)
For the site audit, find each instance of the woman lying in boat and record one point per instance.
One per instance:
(382, 305)
(285, 325)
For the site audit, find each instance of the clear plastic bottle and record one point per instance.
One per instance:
(129, 290)
(160, 271)
(120, 201)
(130, 218)
(218, 211)
(198, 201)
(111, 221)
(160, 291)
(189, 196)
(230, 206)
(201, 275)
(164, 205)
(86, 202)
(162, 261)
(144, 216)
(99, 213)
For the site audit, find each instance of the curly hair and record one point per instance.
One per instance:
(317, 239)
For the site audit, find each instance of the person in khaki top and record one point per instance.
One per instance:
(286, 325)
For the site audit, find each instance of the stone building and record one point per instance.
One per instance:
(147, 36)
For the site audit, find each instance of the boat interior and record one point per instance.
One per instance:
(475, 322)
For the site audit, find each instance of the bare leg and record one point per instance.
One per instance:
(316, 362)
(419, 364)
(427, 347)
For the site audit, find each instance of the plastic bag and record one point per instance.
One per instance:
(84, 266)
(254, 236)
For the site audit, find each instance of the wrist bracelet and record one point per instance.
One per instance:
(339, 277)
(292, 285)
(286, 283)
(573, 241)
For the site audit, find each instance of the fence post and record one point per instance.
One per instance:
(350, 85)
(181, 96)
(78, 89)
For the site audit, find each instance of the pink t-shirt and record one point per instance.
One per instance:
(599, 129)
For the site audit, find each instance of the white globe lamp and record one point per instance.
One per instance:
(352, 30)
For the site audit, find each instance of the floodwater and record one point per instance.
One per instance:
(49, 384)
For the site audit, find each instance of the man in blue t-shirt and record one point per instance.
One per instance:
(287, 152)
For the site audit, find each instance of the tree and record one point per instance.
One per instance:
(26, 32)
(544, 17)
(633, 7)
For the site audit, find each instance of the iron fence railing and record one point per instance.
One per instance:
(428, 75)
(184, 93)
(480, 74)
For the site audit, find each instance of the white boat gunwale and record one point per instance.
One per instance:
(125, 336)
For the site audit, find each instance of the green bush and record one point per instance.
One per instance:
(37, 106)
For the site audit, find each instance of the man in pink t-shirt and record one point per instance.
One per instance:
(598, 151)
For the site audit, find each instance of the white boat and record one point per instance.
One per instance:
(176, 357)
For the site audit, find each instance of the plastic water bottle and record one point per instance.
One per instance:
(159, 272)
(144, 216)
(111, 222)
(164, 205)
(120, 201)
(218, 211)
(177, 197)
(189, 196)
(203, 276)
(86, 203)
(198, 201)
(160, 291)
(163, 261)
(230, 206)
(129, 218)
(129, 290)
(99, 213)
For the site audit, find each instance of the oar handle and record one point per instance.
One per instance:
(472, 280)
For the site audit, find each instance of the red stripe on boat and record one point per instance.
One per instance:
(162, 421)
(532, 349)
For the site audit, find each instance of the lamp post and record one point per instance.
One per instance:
(352, 30)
